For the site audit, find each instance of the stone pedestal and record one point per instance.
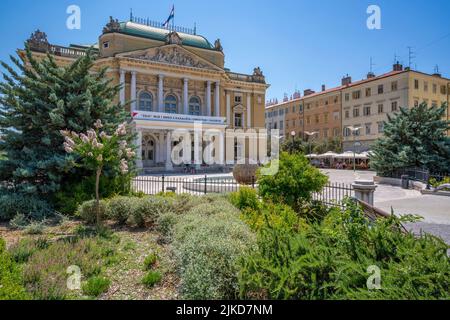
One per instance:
(364, 190)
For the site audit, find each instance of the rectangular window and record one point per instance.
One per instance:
(238, 120)
(347, 114)
(317, 118)
(356, 95)
(380, 89)
(308, 120)
(367, 110)
(380, 127)
(416, 103)
(394, 106)
(434, 88)
(355, 112)
(325, 133)
(368, 92)
(416, 84)
(281, 125)
(425, 86)
(394, 86)
(368, 128)
(237, 99)
(347, 96)
(325, 118)
(106, 45)
(443, 90)
(380, 108)
(336, 115)
(336, 132)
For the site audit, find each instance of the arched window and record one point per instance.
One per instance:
(170, 104)
(194, 106)
(145, 102)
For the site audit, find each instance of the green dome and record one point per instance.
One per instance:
(140, 30)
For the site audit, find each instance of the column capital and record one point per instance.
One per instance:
(186, 79)
(161, 76)
(217, 82)
(133, 73)
(208, 82)
(122, 71)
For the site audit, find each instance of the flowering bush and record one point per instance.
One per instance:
(97, 149)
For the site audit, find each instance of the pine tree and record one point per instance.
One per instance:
(37, 102)
(415, 137)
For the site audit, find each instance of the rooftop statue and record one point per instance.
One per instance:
(38, 40)
(218, 45)
(112, 25)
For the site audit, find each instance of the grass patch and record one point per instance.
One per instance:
(151, 279)
(150, 261)
(95, 286)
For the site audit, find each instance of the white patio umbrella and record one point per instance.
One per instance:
(328, 154)
(311, 156)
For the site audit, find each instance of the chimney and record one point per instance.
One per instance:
(323, 87)
(397, 67)
(370, 75)
(346, 80)
(308, 92)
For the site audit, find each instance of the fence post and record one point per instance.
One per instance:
(206, 189)
(163, 178)
(364, 190)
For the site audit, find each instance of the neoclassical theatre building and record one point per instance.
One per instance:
(174, 79)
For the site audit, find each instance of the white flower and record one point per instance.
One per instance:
(100, 158)
(123, 166)
(122, 144)
(122, 129)
(98, 124)
(84, 138)
(90, 154)
(70, 142)
(68, 149)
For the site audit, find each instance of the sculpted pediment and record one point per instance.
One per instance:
(171, 54)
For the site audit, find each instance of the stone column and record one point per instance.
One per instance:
(122, 87)
(186, 96)
(161, 93)
(249, 111)
(222, 148)
(138, 143)
(208, 98)
(364, 191)
(217, 100)
(228, 109)
(169, 165)
(133, 90)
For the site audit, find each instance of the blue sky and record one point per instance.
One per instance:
(297, 44)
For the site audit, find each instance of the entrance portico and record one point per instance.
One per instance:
(156, 138)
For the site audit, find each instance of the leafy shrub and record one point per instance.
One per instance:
(245, 198)
(19, 222)
(35, 227)
(165, 224)
(435, 183)
(75, 193)
(208, 242)
(88, 210)
(24, 249)
(121, 208)
(148, 210)
(150, 261)
(31, 207)
(95, 286)
(329, 260)
(11, 287)
(151, 278)
(295, 180)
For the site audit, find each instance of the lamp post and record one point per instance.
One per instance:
(354, 130)
(293, 136)
(310, 134)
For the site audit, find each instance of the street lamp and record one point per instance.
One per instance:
(310, 134)
(354, 130)
(293, 136)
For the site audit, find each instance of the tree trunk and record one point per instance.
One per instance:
(97, 195)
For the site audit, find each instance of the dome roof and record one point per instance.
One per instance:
(140, 30)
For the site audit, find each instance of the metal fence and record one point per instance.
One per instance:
(152, 185)
(418, 174)
(333, 194)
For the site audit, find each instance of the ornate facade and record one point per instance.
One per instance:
(172, 80)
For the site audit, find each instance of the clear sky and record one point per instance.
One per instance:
(298, 44)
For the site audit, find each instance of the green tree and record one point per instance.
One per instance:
(38, 99)
(295, 180)
(414, 137)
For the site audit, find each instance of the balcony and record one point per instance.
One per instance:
(177, 118)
